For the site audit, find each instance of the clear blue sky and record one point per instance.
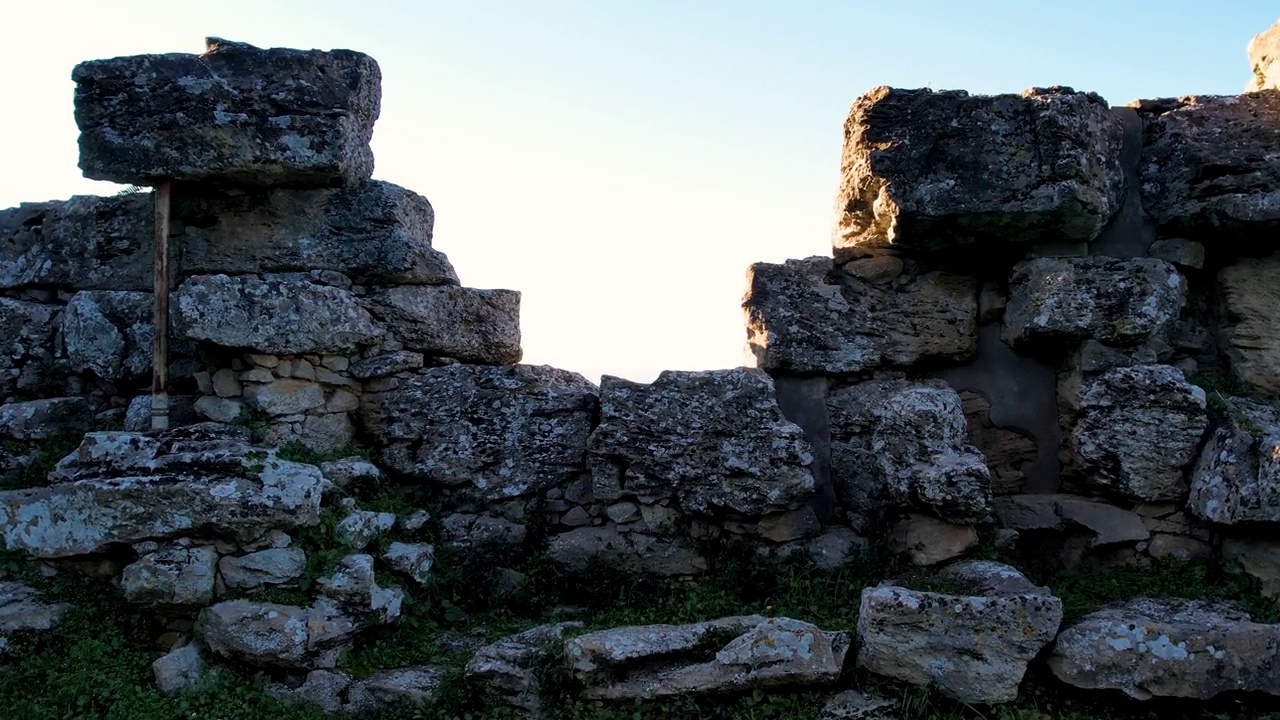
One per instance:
(622, 163)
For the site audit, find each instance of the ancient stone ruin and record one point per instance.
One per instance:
(1049, 327)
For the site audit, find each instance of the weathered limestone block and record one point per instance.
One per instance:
(284, 396)
(1207, 171)
(972, 644)
(279, 314)
(172, 576)
(507, 671)
(354, 587)
(1250, 311)
(924, 169)
(44, 419)
(387, 689)
(1138, 428)
(1108, 524)
(108, 333)
(930, 541)
(127, 487)
(501, 431)
(1237, 478)
(1264, 58)
(268, 634)
(465, 531)
(1168, 648)
(361, 527)
(474, 326)
(588, 548)
(1053, 301)
(28, 333)
(387, 364)
(323, 689)
(85, 243)
(373, 232)
(273, 566)
(806, 316)
(714, 439)
(905, 444)
(719, 656)
(236, 114)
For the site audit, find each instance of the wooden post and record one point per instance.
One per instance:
(160, 314)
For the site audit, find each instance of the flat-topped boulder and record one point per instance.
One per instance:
(927, 170)
(237, 114)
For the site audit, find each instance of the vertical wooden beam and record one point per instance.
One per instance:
(160, 315)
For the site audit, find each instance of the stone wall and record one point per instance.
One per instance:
(1045, 321)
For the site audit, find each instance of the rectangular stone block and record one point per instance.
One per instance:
(84, 243)
(466, 324)
(237, 115)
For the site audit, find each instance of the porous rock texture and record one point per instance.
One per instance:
(1237, 478)
(108, 332)
(467, 324)
(1168, 648)
(236, 114)
(507, 671)
(973, 642)
(924, 169)
(85, 243)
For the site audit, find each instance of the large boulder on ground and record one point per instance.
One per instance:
(1264, 59)
(108, 332)
(1168, 648)
(280, 314)
(714, 439)
(1250, 328)
(236, 114)
(499, 432)
(508, 671)
(1057, 301)
(84, 243)
(905, 444)
(1137, 429)
(720, 656)
(470, 325)
(972, 641)
(924, 169)
(807, 316)
(123, 487)
(374, 232)
(1237, 478)
(1207, 170)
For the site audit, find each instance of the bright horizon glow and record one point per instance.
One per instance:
(623, 164)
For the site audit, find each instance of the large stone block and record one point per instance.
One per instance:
(1250, 311)
(926, 170)
(1237, 478)
(1208, 171)
(1264, 60)
(236, 114)
(84, 243)
(806, 317)
(467, 324)
(109, 333)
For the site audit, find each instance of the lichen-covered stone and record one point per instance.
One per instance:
(273, 566)
(235, 114)
(108, 333)
(1250, 311)
(280, 314)
(806, 316)
(1068, 300)
(501, 431)
(924, 169)
(856, 705)
(28, 345)
(584, 548)
(44, 419)
(1237, 478)
(387, 364)
(361, 527)
(172, 576)
(474, 326)
(714, 439)
(508, 670)
(1168, 648)
(412, 559)
(905, 444)
(973, 644)
(179, 670)
(269, 634)
(23, 609)
(373, 232)
(353, 586)
(1207, 170)
(84, 243)
(1138, 428)
(388, 689)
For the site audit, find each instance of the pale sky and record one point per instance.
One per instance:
(622, 163)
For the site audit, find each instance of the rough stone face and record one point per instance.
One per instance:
(360, 527)
(501, 431)
(1138, 428)
(28, 345)
(412, 559)
(507, 670)
(128, 487)
(273, 566)
(279, 314)
(1237, 478)
(236, 114)
(905, 444)
(805, 316)
(1264, 57)
(1250, 292)
(1207, 170)
(386, 689)
(1109, 524)
(585, 548)
(855, 705)
(178, 670)
(1067, 300)
(267, 634)
(172, 576)
(1168, 648)
(353, 586)
(929, 541)
(373, 232)
(1007, 451)
(388, 364)
(21, 609)
(973, 645)
(660, 661)
(109, 333)
(44, 419)
(474, 326)
(715, 439)
(324, 689)
(85, 243)
(1257, 557)
(924, 169)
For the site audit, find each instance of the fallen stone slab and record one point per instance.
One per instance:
(236, 114)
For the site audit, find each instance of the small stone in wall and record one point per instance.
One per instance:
(412, 559)
(273, 635)
(387, 689)
(387, 364)
(585, 548)
(352, 472)
(480, 532)
(172, 576)
(179, 670)
(1179, 251)
(273, 566)
(929, 541)
(1006, 450)
(360, 527)
(217, 409)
